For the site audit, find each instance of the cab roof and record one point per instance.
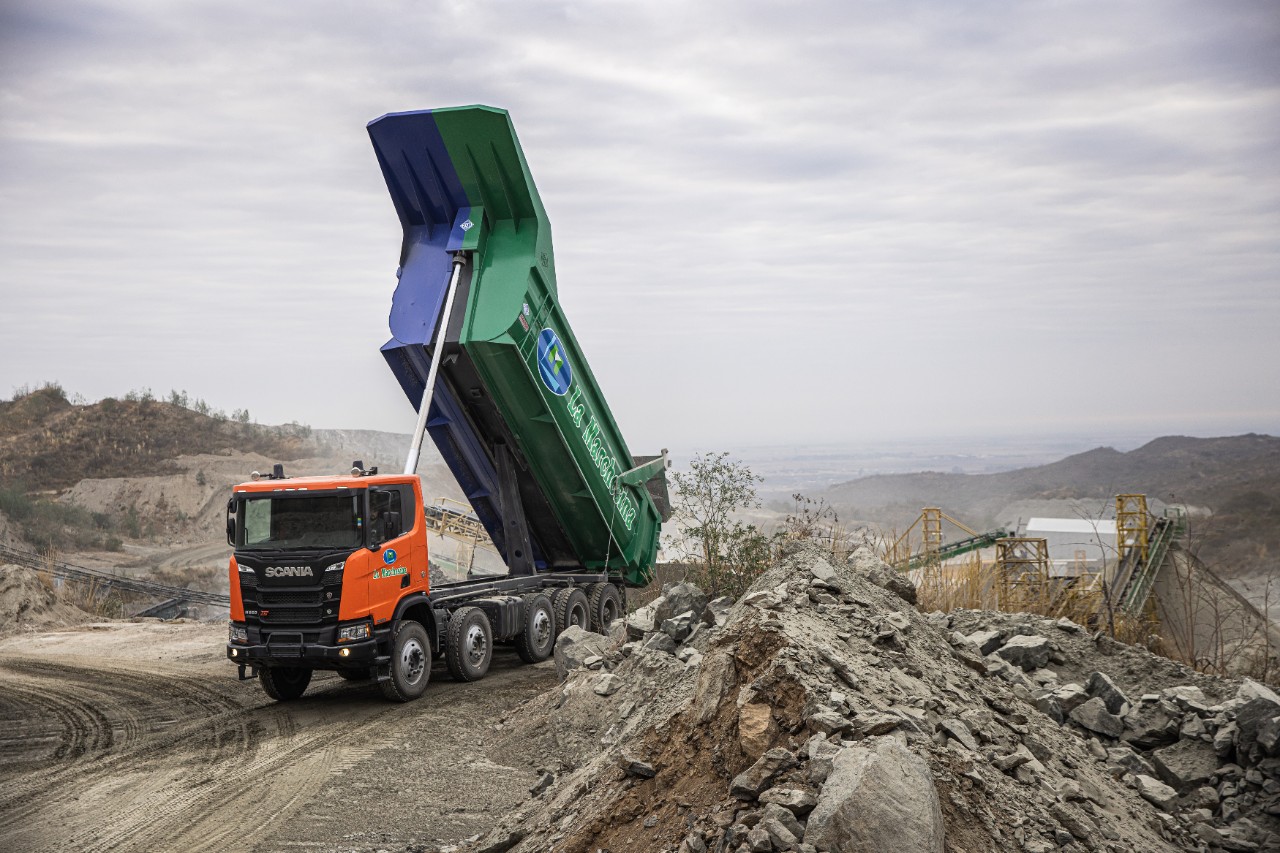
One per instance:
(325, 482)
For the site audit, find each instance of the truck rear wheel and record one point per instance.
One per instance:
(571, 609)
(284, 683)
(538, 639)
(468, 644)
(605, 606)
(410, 663)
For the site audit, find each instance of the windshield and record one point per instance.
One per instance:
(274, 522)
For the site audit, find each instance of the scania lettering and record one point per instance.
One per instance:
(289, 571)
(334, 573)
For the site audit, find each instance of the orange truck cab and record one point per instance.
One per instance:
(332, 573)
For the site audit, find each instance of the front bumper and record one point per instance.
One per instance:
(282, 652)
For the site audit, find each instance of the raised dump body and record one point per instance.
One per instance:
(516, 412)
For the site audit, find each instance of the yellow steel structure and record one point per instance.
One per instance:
(1022, 565)
(1131, 526)
(454, 520)
(900, 552)
(931, 530)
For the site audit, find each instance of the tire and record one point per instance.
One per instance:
(410, 663)
(572, 609)
(605, 606)
(284, 683)
(537, 640)
(468, 647)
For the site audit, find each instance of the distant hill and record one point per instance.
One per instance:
(47, 443)
(1237, 478)
(149, 474)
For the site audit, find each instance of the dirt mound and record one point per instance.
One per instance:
(822, 712)
(28, 604)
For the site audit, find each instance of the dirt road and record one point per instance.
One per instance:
(137, 736)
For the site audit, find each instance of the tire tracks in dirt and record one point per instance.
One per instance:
(148, 758)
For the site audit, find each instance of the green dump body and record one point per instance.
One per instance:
(513, 376)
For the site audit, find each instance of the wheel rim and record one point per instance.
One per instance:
(476, 645)
(413, 660)
(541, 627)
(609, 615)
(579, 617)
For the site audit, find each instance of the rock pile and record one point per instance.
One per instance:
(823, 712)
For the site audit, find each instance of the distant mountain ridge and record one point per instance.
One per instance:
(1237, 478)
(1203, 471)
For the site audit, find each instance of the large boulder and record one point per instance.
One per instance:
(1149, 725)
(717, 611)
(987, 641)
(753, 781)
(1101, 686)
(880, 796)
(640, 623)
(678, 599)
(1156, 792)
(756, 729)
(574, 646)
(1185, 763)
(679, 626)
(1094, 716)
(1254, 718)
(1026, 651)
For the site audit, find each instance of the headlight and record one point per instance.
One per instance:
(336, 567)
(353, 632)
(243, 568)
(237, 633)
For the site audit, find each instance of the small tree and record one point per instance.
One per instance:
(732, 553)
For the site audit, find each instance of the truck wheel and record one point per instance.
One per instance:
(571, 609)
(538, 639)
(284, 683)
(468, 645)
(410, 663)
(605, 606)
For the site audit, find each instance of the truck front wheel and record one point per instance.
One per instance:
(410, 663)
(538, 639)
(284, 683)
(468, 647)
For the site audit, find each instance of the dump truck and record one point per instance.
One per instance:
(333, 572)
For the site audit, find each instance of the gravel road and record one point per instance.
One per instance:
(137, 736)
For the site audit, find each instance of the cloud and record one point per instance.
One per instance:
(824, 221)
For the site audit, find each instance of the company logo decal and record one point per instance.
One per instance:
(553, 366)
(390, 572)
(558, 377)
(389, 556)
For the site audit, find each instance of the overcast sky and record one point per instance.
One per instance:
(774, 223)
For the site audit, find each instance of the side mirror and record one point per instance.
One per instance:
(391, 525)
(231, 522)
(376, 537)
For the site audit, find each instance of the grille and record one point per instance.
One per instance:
(289, 606)
(275, 598)
(293, 617)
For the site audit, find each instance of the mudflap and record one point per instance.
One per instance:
(253, 672)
